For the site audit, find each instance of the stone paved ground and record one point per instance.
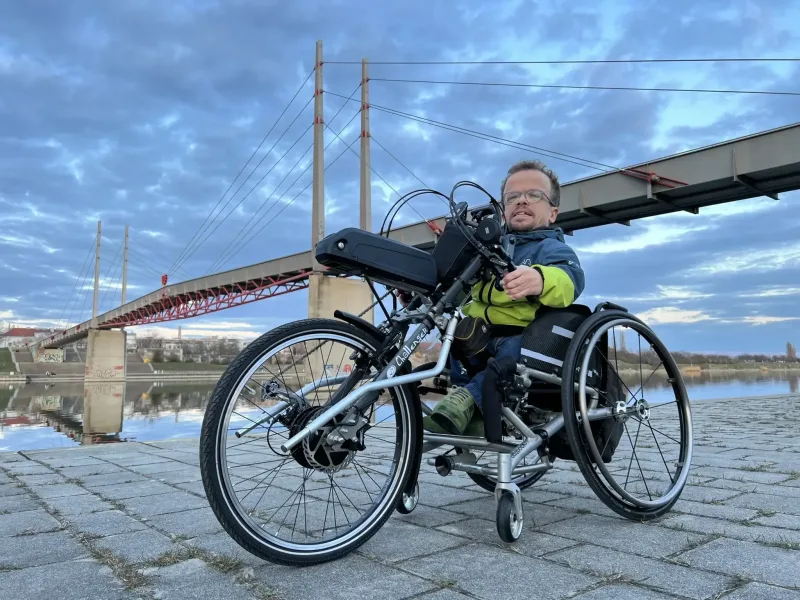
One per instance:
(131, 521)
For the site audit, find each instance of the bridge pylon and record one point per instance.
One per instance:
(327, 294)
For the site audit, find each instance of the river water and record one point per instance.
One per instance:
(62, 415)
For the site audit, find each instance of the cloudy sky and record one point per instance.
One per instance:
(143, 113)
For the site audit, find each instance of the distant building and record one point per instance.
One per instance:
(18, 337)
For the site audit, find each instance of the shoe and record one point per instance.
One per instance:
(452, 414)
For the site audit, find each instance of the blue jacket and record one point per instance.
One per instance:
(561, 270)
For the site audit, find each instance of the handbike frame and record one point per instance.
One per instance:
(509, 455)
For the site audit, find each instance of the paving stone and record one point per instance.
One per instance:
(78, 505)
(72, 580)
(192, 580)
(182, 475)
(41, 549)
(82, 471)
(752, 531)
(439, 495)
(193, 487)
(135, 459)
(109, 522)
(429, 516)
(781, 504)
(190, 523)
(138, 546)
(28, 467)
(739, 475)
(416, 541)
(171, 502)
(622, 591)
(59, 490)
(638, 538)
(221, 544)
(11, 489)
(779, 520)
(762, 591)
(28, 522)
(535, 515)
(720, 511)
(468, 566)
(707, 495)
(531, 543)
(115, 479)
(18, 503)
(445, 594)
(158, 467)
(663, 576)
(353, 576)
(37, 480)
(134, 490)
(747, 559)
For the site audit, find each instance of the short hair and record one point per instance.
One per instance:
(535, 165)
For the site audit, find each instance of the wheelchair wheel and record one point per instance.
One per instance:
(597, 445)
(319, 501)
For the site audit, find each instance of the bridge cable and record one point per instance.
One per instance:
(302, 85)
(587, 87)
(151, 257)
(112, 270)
(285, 206)
(502, 141)
(210, 233)
(250, 226)
(560, 62)
(382, 179)
(74, 287)
(145, 260)
(82, 285)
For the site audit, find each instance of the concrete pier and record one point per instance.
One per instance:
(131, 520)
(106, 356)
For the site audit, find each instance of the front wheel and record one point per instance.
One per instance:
(322, 499)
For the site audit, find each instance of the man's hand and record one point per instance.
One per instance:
(523, 281)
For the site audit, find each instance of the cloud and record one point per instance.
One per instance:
(769, 259)
(671, 314)
(145, 114)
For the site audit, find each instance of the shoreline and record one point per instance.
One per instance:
(686, 370)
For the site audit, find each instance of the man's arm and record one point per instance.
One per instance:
(562, 275)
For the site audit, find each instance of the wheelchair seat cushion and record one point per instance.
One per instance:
(354, 251)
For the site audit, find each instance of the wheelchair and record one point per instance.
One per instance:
(292, 430)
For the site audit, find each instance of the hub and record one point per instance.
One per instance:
(314, 452)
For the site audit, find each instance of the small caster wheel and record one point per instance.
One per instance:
(408, 502)
(509, 523)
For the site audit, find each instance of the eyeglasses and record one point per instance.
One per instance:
(531, 196)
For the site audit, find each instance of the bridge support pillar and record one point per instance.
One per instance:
(327, 294)
(106, 356)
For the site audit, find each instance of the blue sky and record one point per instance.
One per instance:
(143, 113)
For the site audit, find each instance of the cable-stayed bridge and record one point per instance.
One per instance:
(762, 164)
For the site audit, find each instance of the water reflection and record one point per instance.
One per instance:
(53, 415)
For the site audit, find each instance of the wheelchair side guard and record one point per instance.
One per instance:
(609, 305)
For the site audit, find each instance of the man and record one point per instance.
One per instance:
(547, 270)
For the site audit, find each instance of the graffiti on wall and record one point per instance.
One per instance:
(50, 355)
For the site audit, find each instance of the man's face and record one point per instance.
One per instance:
(525, 213)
